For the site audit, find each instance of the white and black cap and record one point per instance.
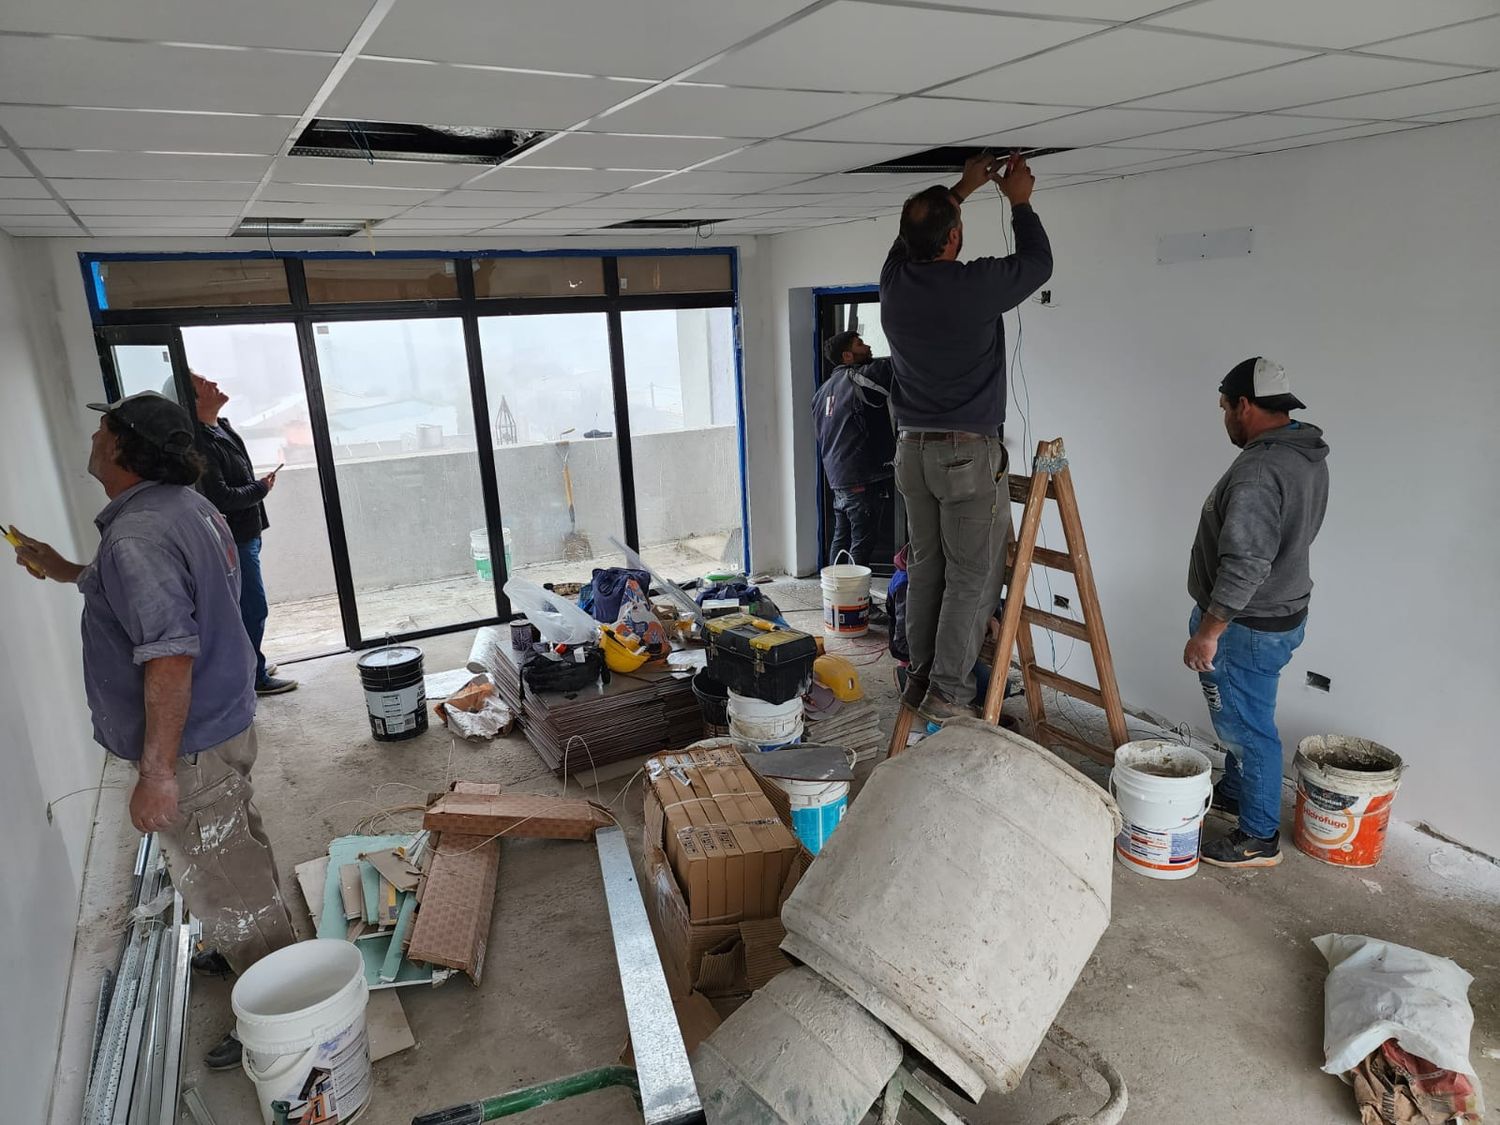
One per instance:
(1264, 382)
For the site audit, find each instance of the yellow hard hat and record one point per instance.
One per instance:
(838, 676)
(621, 654)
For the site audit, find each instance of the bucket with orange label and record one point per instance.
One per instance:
(1345, 789)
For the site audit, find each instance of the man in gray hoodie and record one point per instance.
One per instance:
(1250, 579)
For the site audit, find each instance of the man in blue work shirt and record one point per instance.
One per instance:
(169, 675)
(943, 320)
(856, 442)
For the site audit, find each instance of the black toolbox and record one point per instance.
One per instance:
(756, 658)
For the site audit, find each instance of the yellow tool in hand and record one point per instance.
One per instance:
(14, 540)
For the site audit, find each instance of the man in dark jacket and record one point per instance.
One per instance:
(855, 439)
(943, 319)
(1249, 576)
(231, 486)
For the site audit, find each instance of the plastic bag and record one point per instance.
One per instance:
(556, 618)
(1377, 990)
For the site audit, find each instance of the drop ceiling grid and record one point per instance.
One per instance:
(91, 98)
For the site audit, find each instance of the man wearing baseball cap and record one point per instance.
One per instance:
(169, 674)
(1250, 578)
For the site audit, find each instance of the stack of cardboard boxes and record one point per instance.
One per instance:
(720, 861)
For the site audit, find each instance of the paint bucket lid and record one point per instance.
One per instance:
(394, 659)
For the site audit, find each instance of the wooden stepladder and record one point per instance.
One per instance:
(1050, 480)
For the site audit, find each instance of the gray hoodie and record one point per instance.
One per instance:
(1250, 556)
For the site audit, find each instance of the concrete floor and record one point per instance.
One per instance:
(1207, 994)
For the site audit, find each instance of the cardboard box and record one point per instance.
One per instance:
(516, 814)
(458, 899)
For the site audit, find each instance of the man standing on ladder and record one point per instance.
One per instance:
(851, 414)
(1250, 579)
(943, 319)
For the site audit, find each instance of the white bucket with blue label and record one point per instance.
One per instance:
(818, 808)
(1163, 790)
(846, 599)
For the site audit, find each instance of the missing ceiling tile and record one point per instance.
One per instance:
(266, 227)
(388, 140)
(662, 224)
(948, 158)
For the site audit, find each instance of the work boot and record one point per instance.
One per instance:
(225, 1054)
(211, 963)
(1229, 806)
(1240, 849)
(914, 689)
(936, 708)
(273, 686)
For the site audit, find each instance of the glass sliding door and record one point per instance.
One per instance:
(684, 434)
(259, 367)
(552, 421)
(401, 424)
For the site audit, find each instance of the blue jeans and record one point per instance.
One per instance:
(1241, 695)
(253, 607)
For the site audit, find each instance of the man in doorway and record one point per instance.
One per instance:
(852, 415)
(230, 483)
(167, 672)
(943, 319)
(1250, 578)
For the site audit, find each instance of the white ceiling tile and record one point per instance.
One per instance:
(31, 207)
(273, 209)
(807, 157)
(170, 208)
(10, 164)
(1469, 44)
(1097, 127)
(712, 182)
(16, 227)
(1345, 134)
(466, 197)
(929, 122)
(135, 131)
(606, 150)
(867, 47)
(158, 222)
(1243, 132)
(514, 178)
(1115, 10)
(403, 226)
(724, 210)
(434, 94)
(326, 25)
(18, 187)
(1322, 23)
(363, 173)
(328, 193)
(1118, 66)
(152, 76)
(1179, 160)
(1433, 118)
(723, 111)
(1434, 97)
(658, 202)
(476, 216)
(151, 189)
(21, 220)
(639, 39)
(1099, 159)
(148, 165)
(1307, 80)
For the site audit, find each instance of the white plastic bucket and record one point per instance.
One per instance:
(479, 551)
(846, 599)
(817, 809)
(758, 725)
(301, 1017)
(1163, 791)
(1345, 789)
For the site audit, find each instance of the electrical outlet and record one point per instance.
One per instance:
(1044, 297)
(1060, 602)
(1319, 683)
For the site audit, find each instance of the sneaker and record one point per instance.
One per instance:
(935, 708)
(1230, 806)
(1240, 849)
(271, 670)
(272, 686)
(225, 1054)
(211, 963)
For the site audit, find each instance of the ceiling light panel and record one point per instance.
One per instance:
(148, 165)
(1308, 80)
(849, 46)
(1118, 66)
(606, 150)
(1324, 23)
(639, 39)
(434, 94)
(152, 76)
(324, 25)
(931, 121)
(61, 127)
(730, 112)
(1469, 44)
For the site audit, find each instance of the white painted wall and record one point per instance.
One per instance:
(1375, 279)
(46, 746)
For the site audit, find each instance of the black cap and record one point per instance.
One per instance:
(154, 417)
(1264, 382)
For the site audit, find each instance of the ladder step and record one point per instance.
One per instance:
(1048, 735)
(1051, 621)
(1068, 686)
(1057, 560)
(1020, 489)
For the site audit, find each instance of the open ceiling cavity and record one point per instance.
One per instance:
(390, 140)
(949, 158)
(258, 227)
(662, 224)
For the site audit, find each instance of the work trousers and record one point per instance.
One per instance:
(858, 518)
(219, 857)
(1241, 695)
(253, 606)
(958, 519)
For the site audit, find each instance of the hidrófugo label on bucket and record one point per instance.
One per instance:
(1345, 789)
